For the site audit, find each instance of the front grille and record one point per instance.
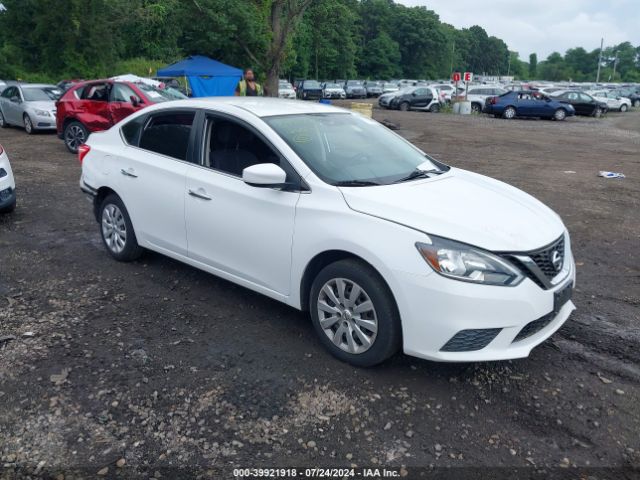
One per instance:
(471, 340)
(534, 327)
(544, 258)
(544, 261)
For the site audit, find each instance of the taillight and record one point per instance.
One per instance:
(82, 151)
(494, 100)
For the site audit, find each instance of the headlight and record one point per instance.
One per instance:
(42, 113)
(469, 264)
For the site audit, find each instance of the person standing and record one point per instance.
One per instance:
(248, 87)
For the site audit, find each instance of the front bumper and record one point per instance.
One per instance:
(435, 309)
(44, 123)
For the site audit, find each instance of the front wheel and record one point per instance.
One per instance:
(623, 107)
(598, 112)
(3, 122)
(560, 114)
(354, 313)
(75, 134)
(509, 113)
(116, 230)
(404, 106)
(28, 124)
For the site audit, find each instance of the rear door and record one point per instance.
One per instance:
(93, 108)
(151, 176)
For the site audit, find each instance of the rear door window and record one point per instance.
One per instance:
(168, 134)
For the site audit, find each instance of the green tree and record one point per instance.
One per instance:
(533, 66)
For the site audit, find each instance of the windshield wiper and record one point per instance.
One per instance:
(355, 183)
(419, 173)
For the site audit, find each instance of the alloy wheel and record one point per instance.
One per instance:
(347, 315)
(509, 113)
(114, 228)
(75, 137)
(28, 126)
(560, 114)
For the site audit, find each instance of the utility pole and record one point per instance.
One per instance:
(509, 65)
(599, 60)
(615, 64)
(453, 49)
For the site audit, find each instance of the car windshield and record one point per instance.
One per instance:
(332, 85)
(40, 94)
(354, 83)
(344, 149)
(286, 85)
(157, 95)
(311, 84)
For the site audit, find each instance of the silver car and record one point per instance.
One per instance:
(29, 105)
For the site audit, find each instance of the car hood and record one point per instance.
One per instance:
(462, 206)
(41, 105)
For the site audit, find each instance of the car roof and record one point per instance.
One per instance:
(37, 85)
(259, 106)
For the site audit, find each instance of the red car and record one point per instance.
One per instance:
(97, 105)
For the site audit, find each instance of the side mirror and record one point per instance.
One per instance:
(264, 175)
(135, 101)
(15, 99)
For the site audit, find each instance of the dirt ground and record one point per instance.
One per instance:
(155, 369)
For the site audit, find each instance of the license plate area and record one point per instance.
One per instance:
(562, 296)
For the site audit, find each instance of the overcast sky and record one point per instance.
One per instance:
(544, 26)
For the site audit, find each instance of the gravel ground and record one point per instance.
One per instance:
(155, 369)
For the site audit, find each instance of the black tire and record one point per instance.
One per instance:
(9, 208)
(560, 114)
(74, 135)
(28, 125)
(3, 122)
(388, 337)
(598, 112)
(435, 108)
(476, 108)
(636, 103)
(624, 108)
(509, 113)
(404, 107)
(130, 250)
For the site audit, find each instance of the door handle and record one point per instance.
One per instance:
(199, 194)
(128, 173)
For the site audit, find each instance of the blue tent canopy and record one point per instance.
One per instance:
(206, 77)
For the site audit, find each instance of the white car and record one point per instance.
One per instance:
(333, 90)
(332, 213)
(285, 90)
(7, 184)
(478, 96)
(614, 102)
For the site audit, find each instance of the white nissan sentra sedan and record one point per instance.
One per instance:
(332, 213)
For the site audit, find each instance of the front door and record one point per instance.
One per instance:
(120, 104)
(244, 231)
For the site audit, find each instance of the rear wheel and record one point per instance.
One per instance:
(476, 108)
(28, 124)
(435, 108)
(560, 114)
(116, 230)
(404, 106)
(354, 313)
(75, 134)
(623, 107)
(509, 113)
